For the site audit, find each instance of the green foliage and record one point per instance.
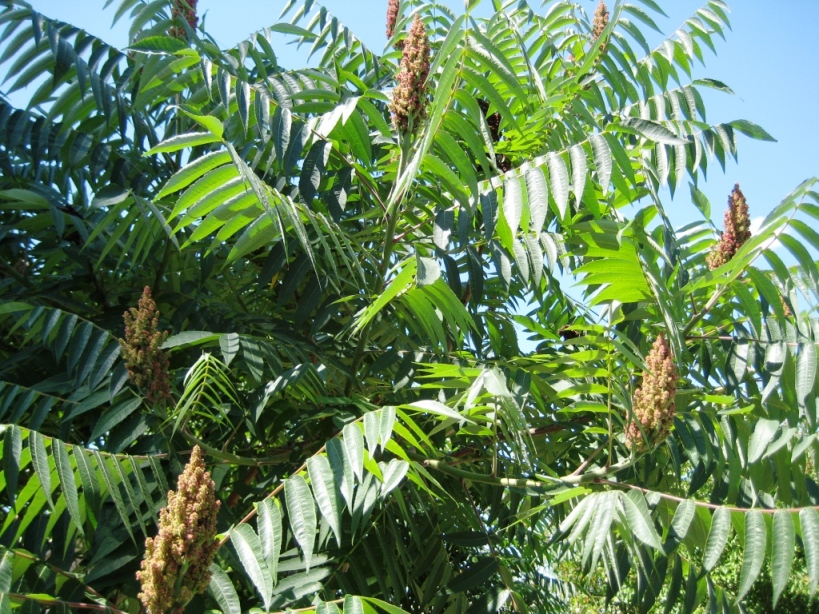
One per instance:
(409, 358)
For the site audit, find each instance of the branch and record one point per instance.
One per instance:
(274, 492)
(30, 557)
(543, 482)
(233, 458)
(74, 605)
(712, 506)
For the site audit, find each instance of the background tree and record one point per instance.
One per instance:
(344, 262)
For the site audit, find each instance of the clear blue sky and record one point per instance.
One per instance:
(769, 59)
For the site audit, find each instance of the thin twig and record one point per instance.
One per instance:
(591, 457)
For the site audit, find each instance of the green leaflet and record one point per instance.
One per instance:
(342, 470)
(602, 160)
(717, 538)
(394, 473)
(67, 483)
(12, 450)
(353, 605)
(639, 519)
(326, 492)
(6, 570)
(680, 524)
(249, 550)
(182, 141)
(512, 203)
(193, 171)
(599, 528)
(399, 284)
(39, 460)
(559, 178)
(579, 171)
(388, 608)
(270, 534)
(302, 515)
(764, 431)
(755, 550)
(371, 426)
(783, 544)
(537, 192)
(809, 521)
(354, 448)
(223, 592)
(112, 483)
(805, 371)
(435, 407)
(158, 44)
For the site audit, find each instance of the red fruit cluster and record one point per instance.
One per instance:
(392, 18)
(409, 98)
(141, 349)
(177, 561)
(653, 402)
(736, 231)
(601, 20)
(187, 10)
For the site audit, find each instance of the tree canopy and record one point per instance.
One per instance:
(412, 327)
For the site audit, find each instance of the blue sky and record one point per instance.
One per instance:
(769, 60)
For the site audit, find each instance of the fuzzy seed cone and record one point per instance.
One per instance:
(177, 561)
(187, 10)
(737, 230)
(653, 402)
(141, 350)
(392, 18)
(601, 20)
(409, 97)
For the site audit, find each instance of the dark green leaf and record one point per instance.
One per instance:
(476, 575)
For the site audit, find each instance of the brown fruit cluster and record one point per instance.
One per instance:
(601, 20)
(653, 402)
(141, 350)
(187, 10)
(409, 98)
(177, 561)
(785, 307)
(736, 231)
